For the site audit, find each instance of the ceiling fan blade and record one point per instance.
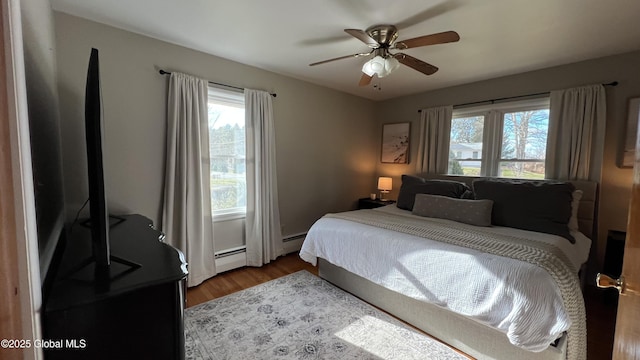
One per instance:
(433, 39)
(362, 36)
(340, 58)
(365, 80)
(415, 64)
(430, 13)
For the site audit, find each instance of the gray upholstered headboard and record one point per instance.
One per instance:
(586, 212)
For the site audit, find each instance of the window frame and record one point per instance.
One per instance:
(234, 98)
(493, 129)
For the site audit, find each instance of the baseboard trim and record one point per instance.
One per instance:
(234, 258)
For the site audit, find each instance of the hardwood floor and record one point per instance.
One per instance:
(601, 305)
(239, 279)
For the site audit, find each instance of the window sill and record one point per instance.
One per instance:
(228, 216)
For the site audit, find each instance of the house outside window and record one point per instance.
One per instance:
(466, 139)
(227, 150)
(500, 140)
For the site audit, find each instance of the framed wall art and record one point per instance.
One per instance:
(631, 132)
(395, 143)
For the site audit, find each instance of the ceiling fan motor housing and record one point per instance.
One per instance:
(384, 35)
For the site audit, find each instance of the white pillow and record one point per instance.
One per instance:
(575, 203)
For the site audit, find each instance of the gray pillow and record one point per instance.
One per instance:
(474, 212)
(542, 206)
(412, 185)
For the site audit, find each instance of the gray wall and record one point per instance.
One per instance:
(325, 140)
(615, 182)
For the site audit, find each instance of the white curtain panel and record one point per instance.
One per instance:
(491, 143)
(433, 147)
(186, 214)
(577, 119)
(263, 235)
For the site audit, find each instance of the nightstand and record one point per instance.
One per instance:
(367, 203)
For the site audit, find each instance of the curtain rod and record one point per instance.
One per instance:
(492, 101)
(162, 72)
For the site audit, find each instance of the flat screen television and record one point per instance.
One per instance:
(99, 222)
(46, 154)
(99, 214)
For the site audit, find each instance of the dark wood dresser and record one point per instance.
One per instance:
(136, 314)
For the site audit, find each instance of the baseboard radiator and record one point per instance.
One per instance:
(230, 259)
(293, 243)
(294, 237)
(234, 258)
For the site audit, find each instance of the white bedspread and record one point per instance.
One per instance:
(514, 297)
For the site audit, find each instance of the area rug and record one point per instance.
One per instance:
(301, 316)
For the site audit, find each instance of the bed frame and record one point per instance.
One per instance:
(468, 336)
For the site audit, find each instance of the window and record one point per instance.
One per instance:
(227, 153)
(466, 144)
(502, 140)
(524, 144)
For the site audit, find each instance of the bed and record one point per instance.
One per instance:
(485, 304)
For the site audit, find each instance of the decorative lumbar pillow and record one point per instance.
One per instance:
(412, 185)
(474, 212)
(542, 206)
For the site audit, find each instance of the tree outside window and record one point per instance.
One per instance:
(227, 152)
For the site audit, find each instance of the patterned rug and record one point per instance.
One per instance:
(301, 316)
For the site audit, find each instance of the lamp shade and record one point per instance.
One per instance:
(384, 183)
(374, 66)
(367, 69)
(380, 66)
(390, 64)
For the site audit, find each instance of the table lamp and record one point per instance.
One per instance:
(384, 185)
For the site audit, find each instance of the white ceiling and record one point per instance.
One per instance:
(498, 37)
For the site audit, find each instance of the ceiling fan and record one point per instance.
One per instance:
(381, 39)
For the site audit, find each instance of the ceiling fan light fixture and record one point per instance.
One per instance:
(377, 64)
(380, 66)
(368, 69)
(390, 64)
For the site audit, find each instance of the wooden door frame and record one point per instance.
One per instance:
(626, 339)
(10, 324)
(19, 265)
